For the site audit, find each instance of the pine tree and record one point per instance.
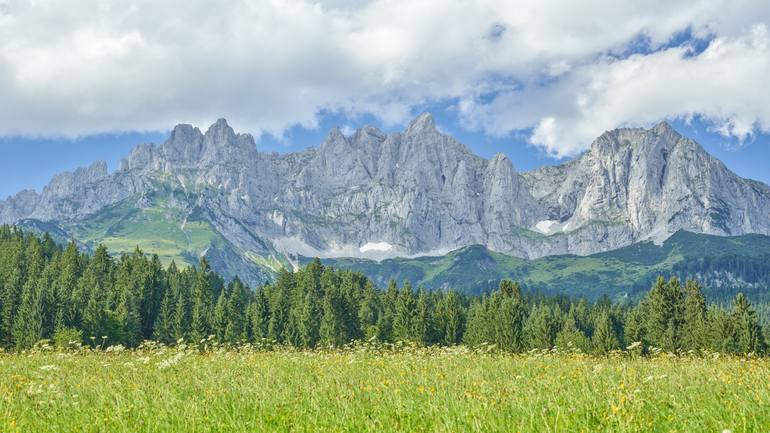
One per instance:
(200, 328)
(423, 327)
(28, 327)
(11, 297)
(14, 277)
(181, 319)
(665, 314)
(236, 330)
(634, 329)
(219, 318)
(152, 290)
(385, 321)
(309, 320)
(65, 286)
(540, 328)
(604, 339)
(748, 332)
(125, 303)
(369, 313)
(164, 324)
(694, 324)
(507, 322)
(93, 292)
(280, 308)
(570, 337)
(721, 331)
(478, 330)
(509, 288)
(332, 328)
(450, 319)
(403, 321)
(259, 316)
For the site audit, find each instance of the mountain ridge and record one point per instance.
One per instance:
(378, 195)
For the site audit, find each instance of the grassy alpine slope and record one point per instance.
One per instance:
(628, 270)
(413, 390)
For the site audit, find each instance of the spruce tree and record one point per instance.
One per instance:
(721, 330)
(450, 319)
(28, 327)
(236, 330)
(200, 327)
(94, 288)
(385, 321)
(332, 330)
(665, 314)
(65, 287)
(694, 333)
(219, 318)
(369, 313)
(259, 316)
(181, 318)
(403, 322)
(540, 328)
(478, 330)
(507, 321)
(604, 339)
(510, 289)
(423, 327)
(164, 324)
(634, 329)
(570, 337)
(309, 320)
(748, 333)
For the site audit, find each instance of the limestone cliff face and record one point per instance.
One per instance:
(654, 182)
(419, 191)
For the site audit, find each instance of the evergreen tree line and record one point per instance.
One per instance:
(722, 275)
(60, 293)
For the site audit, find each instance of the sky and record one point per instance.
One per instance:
(86, 80)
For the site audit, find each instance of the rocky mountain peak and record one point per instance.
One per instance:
(498, 158)
(664, 127)
(185, 134)
(636, 140)
(66, 183)
(335, 136)
(422, 124)
(219, 134)
(183, 145)
(415, 192)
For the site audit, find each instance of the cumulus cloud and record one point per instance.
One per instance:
(556, 68)
(723, 84)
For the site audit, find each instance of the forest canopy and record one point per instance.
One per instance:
(48, 291)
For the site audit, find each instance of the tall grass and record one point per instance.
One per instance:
(161, 389)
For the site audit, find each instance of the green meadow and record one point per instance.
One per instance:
(162, 389)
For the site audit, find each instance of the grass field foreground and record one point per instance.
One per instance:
(414, 390)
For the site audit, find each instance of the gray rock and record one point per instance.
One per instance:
(403, 194)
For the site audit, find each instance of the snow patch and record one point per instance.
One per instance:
(376, 246)
(371, 250)
(276, 217)
(549, 227)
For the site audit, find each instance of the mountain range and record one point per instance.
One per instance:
(375, 195)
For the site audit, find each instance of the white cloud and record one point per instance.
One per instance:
(723, 84)
(87, 66)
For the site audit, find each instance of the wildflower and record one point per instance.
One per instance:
(169, 362)
(634, 345)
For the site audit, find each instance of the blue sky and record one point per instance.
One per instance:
(535, 79)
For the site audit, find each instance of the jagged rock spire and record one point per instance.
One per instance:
(421, 124)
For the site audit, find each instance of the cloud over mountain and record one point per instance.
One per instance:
(561, 71)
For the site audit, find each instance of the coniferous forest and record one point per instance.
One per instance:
(62, 294)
